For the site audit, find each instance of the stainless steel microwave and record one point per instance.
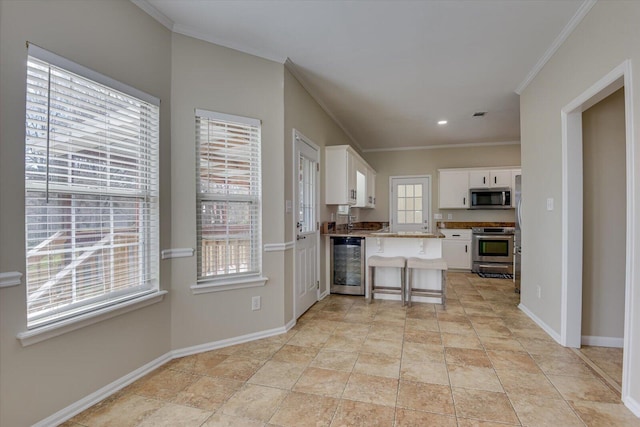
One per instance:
(490, 198)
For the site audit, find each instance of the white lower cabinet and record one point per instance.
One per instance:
(456, 248)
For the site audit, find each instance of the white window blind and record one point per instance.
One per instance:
(91, 183)
(228, 196)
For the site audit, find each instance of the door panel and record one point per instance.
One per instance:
(410, 207)
(307, 234)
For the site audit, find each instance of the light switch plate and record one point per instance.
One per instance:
(550, 203)
(437, 216)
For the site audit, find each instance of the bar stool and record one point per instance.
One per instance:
(427, 264)
(389, 262)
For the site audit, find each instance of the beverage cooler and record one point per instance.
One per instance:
(347, 265)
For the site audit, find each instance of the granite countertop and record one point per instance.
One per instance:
(387, 234)
(462, 225)
(379, 229)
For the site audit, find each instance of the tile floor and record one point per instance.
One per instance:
(482, 362)
(609, 360)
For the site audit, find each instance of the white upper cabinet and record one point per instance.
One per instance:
(340, 176)
(362, 170)
(489, 178)
(453, 189)
(514, 173)
(454, 184)
(371, 188)
(349, 180)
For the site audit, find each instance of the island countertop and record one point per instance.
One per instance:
(388, 234)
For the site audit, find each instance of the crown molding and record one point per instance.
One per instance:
(293, 69)
(154, 13)
(564, 34)
(434, 147)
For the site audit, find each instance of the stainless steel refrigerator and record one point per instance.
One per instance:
(517, 241)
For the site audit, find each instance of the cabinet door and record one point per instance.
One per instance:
(514, 173)
(457, 253)
(362, 172)
(453, 189)
(500, 178)
(371, 188)
(340, 176)
(479, 179)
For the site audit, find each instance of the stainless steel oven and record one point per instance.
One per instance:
(492, 250)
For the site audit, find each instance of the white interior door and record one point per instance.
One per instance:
(410, 203)
(307, 261)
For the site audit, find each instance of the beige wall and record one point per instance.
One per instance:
(603, 268)
(223, 80)
(607, 36)
(38, 380)
(427, 162)
(304, 114)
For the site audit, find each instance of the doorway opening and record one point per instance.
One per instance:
(573, 212)
(604, 237)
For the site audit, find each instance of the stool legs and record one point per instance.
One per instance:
(442, 295)
(371, 286)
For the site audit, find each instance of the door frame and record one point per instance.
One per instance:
(429, 197)
(297, 135)
(572, 214)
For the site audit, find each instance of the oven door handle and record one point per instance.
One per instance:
(504, 198)
(493, 266)
(493, 236)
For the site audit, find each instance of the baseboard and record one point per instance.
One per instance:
(99, 395)
(323, 295)
(602, 341)
(86, 402)
(548, 329)
(633, 405)
(201, 348)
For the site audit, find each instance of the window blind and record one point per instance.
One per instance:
(91, 190)
(228, 187)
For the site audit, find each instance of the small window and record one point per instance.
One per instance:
(228, 191)
(91, 190)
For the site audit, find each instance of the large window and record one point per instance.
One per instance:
(91, 181)
(228, 196)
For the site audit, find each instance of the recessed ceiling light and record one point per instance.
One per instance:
(442, 122)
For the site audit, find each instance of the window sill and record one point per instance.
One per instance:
(229, 284)
(50, 331)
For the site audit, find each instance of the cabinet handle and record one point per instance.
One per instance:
(484, 179)
(495, 179)
(455, 235)
(465, 249)
(464, 200)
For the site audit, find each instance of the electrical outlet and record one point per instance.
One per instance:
(255, 303)
(550, 203)
(449, 216)
(539, 291)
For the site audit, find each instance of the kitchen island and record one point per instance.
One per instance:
(405, 244)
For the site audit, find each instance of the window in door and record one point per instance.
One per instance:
(410, 203)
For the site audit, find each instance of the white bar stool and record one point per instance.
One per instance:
(427, 264)
(388, 262)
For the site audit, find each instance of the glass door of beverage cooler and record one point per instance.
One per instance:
(347, 265)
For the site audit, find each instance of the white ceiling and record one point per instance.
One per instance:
(387, 71)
